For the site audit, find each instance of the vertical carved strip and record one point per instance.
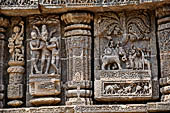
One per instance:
(44, 60)
(164, 47)
(16, 63)
(78, 42)
(3, 24)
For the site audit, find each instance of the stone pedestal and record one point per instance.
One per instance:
(78, 35)
(44, 85)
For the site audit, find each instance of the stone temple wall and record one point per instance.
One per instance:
(84, 56)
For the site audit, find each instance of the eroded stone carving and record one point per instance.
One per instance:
(16, 63)
(123, 56)
(44, 78)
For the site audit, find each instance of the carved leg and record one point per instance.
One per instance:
(53, 64)
(148, 63)
(32, 67)
(57, 63)
(103, 66)
(42, 63)
(119, 66)
(35, 66)
(48, 65)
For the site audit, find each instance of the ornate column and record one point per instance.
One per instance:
(77, 33)
(163, 32)
(16, 63)
(3, 24)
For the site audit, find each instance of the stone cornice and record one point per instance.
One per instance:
(29, 7)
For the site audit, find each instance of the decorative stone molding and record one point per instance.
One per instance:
(72, 3)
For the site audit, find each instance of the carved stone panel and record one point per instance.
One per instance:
(44, 59)
(125, 56)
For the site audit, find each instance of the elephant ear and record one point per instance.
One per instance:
(106, 23)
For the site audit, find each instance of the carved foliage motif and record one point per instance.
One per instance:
(123, 51)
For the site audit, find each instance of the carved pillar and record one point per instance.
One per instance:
(43, 60)
(77, 33)
(3, 24)
(163, 33)
(16, 63)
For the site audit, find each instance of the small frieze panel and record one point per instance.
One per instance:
(127, 88)
(124, 49)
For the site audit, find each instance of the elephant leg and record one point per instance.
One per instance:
(148, 63)
(103, 66)
(119, 65)
(109, 67)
